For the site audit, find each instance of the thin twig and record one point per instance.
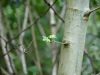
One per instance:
(24, 30)
(58, 42)
(87, 13)
(5, 53)
(94, 9)
(41, 28)
(17, 48)
(14, 47)
(62, 16)
(33, 23)
(29, 45)
(57, 14)
(53, 10)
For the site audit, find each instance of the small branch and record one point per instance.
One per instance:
(29, 45)
(5, 53)
(53, 10)
(58, 42)
(62, 16)
(94, 9)
(57, 14)
(14, 47)
(32, 23)
(87, 13)
(41, 28)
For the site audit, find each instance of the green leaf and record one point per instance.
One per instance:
(52, 36)
(46, 39)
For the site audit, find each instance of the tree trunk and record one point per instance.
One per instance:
(74, 37)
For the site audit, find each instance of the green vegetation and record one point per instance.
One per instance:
(14, 18)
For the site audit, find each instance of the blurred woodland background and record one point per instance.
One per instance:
(23, 23)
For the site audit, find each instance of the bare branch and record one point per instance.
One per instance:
(14, 47)
(32, 23)
(94, 9)
(41, 28)
(62, 16)
(53, 10)
(5, 53)
(87, 13)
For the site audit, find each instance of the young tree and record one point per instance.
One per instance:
(76, 19)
